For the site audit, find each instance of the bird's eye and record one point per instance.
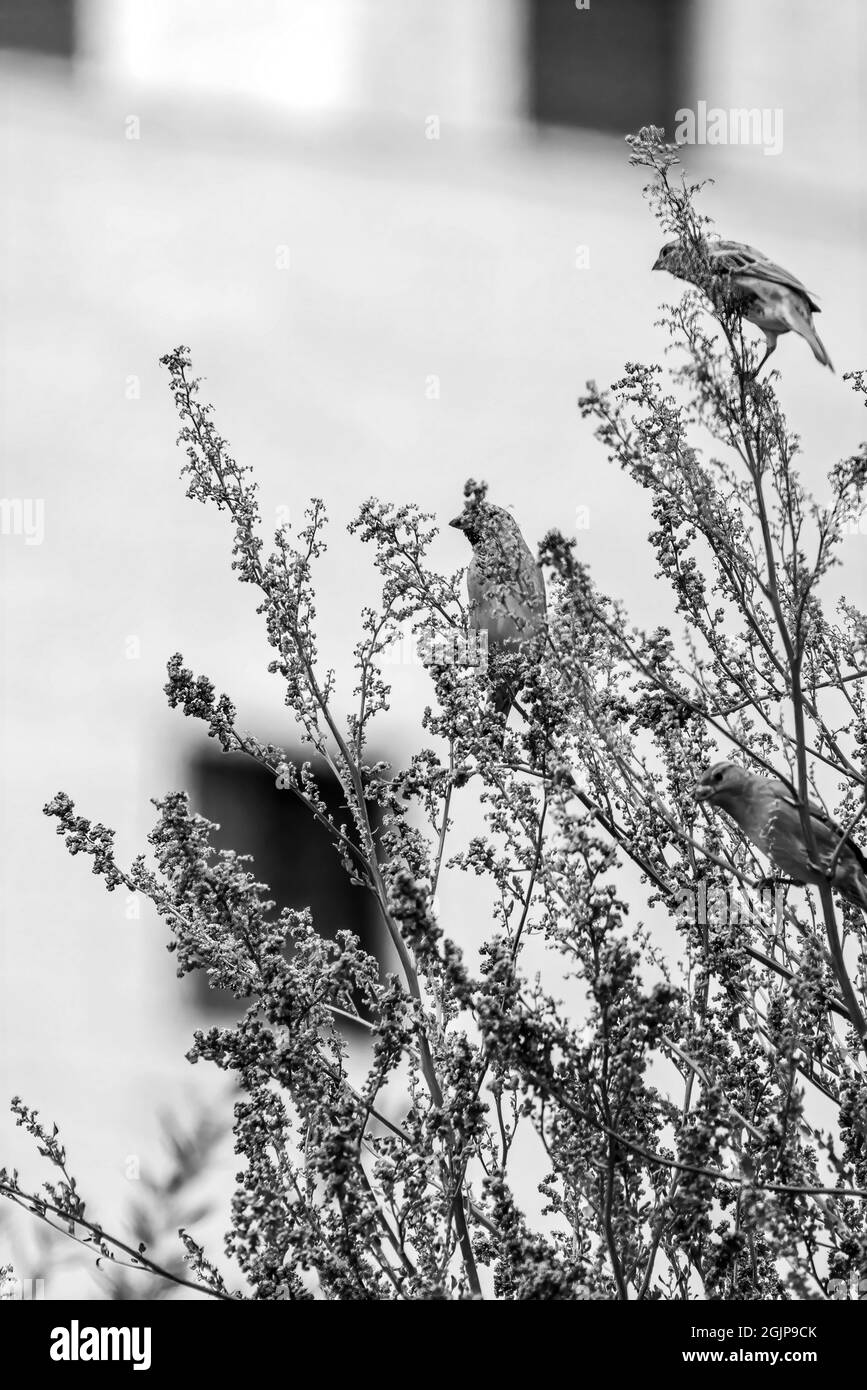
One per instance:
(717, 777)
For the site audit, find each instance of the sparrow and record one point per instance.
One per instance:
(506, 590)
(767, 813)
(762, 291)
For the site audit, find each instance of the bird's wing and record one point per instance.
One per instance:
(827, 831)
(533, 582)
(736, 258)
(506, 588)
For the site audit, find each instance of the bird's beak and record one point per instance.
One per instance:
(702, 791)
(657, 264)
(457, 522)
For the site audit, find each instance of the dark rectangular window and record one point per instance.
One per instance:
(292, 852)
(615, 66)
(40, 26)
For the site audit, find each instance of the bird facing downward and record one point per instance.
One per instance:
(506, 590)
(767, 813)
(762, 291)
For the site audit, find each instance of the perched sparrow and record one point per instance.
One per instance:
(767, 813)
(506, 591)
(763, 292)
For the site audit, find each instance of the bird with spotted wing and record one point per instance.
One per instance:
(763, 292)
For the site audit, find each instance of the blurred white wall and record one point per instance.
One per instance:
(806, 59)
(336, 58)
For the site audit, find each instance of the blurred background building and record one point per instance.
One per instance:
(399, 238)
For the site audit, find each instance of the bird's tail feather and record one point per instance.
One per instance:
(819, 350)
